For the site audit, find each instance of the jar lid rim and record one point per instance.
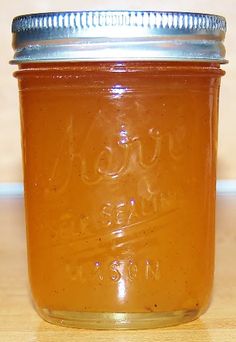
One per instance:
(110, 35)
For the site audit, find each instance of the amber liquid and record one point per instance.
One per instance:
(119, 172)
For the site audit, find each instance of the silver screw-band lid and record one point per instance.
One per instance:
(118, 35)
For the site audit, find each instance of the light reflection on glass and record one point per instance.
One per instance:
(132, 202)
(118, 233)
(121, 285)
(118, 90)
(123, 135)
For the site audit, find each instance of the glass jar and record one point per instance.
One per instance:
(119, 152)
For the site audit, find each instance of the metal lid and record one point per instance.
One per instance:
(118, 35)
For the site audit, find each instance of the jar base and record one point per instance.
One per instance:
(119, 321)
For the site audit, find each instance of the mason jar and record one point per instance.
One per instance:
(119, 116)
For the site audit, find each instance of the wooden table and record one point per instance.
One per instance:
(19, 322)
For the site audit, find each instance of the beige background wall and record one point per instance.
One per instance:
(10, 154)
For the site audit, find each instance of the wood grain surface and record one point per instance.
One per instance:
(10, 154)
(20, 323)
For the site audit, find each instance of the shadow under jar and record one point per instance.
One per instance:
(119, 138)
